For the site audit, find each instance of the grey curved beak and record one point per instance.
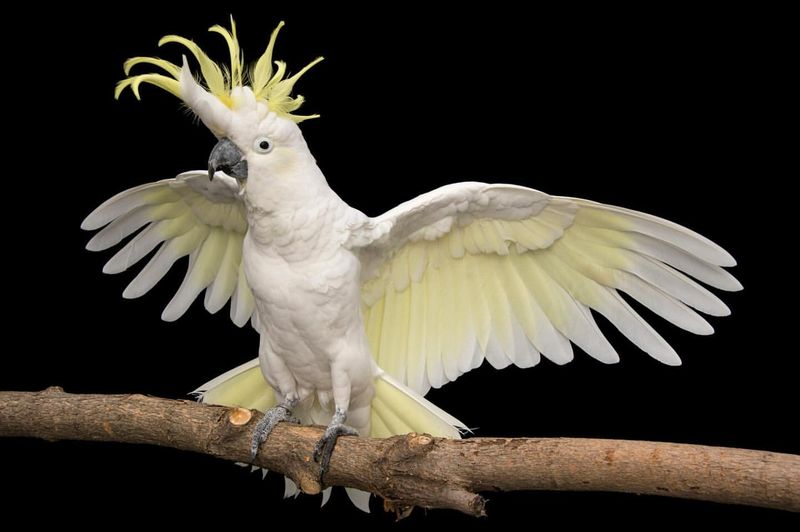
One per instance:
(228, 158)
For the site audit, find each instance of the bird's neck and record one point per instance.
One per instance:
(297, 202)
(289, 187)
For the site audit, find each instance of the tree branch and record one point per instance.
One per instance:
(415, 470)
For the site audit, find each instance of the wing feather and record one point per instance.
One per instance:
(607, 216)
(474, 272)
(415, 366)
(185, 216)
(538, 329)
(433, 326)
(242, 302)
(201, 273)
(125, 225)
(224, 283)
(464, 316)
(128, 200)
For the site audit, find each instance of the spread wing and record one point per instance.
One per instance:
(474, 271)
(187, 215)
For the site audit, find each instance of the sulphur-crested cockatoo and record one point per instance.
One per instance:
(359, 317)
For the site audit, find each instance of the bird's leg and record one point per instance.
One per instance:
(273, 416)
(324, 448)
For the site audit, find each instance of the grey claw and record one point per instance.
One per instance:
(324, 447)
(271, 418)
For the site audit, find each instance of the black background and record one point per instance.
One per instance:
(676, 113)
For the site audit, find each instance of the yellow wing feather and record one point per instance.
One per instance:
(495, 277)
(186, 216)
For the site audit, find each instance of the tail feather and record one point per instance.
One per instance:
(396, 409)
(243, 386)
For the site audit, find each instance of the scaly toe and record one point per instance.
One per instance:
(323, 450)
(266, 424)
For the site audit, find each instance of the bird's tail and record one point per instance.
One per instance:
(242, 386)
(396, 409)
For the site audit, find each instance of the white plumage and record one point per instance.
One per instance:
(364, 315)
(466, 272)
(191, 216)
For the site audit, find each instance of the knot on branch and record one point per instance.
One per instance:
(410, 478)
(409, 447)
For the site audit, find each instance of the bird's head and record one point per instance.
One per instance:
(250, 112)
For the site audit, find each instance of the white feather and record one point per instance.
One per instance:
(199, 275)
(123, 226)
(597, 215)
(163, 260)
(360, 499)
(224, 283)
(290, 488)
(136, 249)
(242, 302)
(326, 495)
(182, 213)
(126, 201)
(514, 273)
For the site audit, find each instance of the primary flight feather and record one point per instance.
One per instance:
(359, 317)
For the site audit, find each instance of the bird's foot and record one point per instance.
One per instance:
(324, 448)
(273, 416)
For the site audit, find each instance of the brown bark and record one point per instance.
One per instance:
(415, 470)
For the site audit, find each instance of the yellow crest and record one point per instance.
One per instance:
(267, 83)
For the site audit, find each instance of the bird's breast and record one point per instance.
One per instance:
(305, 283)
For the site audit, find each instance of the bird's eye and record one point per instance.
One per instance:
(262, 145)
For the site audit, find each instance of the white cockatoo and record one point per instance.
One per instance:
(359, 317)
